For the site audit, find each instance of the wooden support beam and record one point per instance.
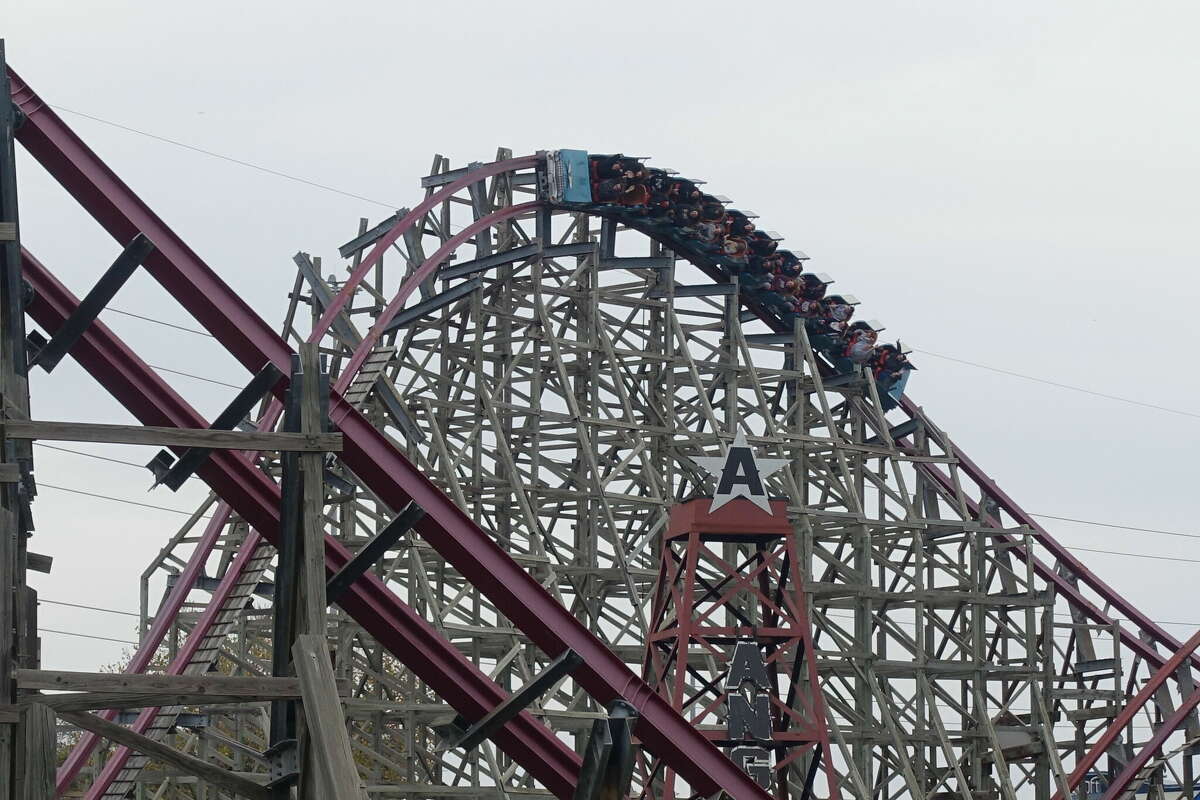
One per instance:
(183, 437)
(94, 701)
(38, 562)
(162, 684)
(41, 754)
(325, 720)
(312, 498)
(168, 755)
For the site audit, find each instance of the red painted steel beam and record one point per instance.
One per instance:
(1110, 735)
(374, 460)
(255, 497)
(1169, 725)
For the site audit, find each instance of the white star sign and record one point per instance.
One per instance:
(740, 474)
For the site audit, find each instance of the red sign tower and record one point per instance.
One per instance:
(731, 648)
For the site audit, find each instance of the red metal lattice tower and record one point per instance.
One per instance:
(729, 604)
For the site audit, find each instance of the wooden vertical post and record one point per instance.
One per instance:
(311, 569)
(16, 643)
(40, 754)
(312, 468)
(329, 742)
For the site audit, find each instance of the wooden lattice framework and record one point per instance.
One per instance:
(558, 384)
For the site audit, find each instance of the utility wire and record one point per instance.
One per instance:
(1135, 555)
(86, 636)
(197, 377)
(223, 157)
(393, 206)
(90, 455)
(161, 322)
(42, 485)
(1043, 516)
(89, 608)
(1118, 527)
(1060, 385)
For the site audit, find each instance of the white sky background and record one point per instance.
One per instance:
(1008, 183)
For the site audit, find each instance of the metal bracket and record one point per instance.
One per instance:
(49, 354)
(283, 763)
(372, 551)
(175, 474)
(499, 716)
(607, 769)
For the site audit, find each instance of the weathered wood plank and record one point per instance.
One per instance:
(163, 684)
(41, 756)
(182, 437)
(325, 719)
(168, 755)
(312, 469)
(93, 701)
(38, 562)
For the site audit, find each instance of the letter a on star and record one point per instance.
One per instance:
(740, 474)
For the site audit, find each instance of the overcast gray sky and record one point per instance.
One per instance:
(1007, 183)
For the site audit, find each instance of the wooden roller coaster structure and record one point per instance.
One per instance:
(515, 406)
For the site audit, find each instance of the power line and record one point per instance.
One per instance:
(230, 159)
(1118, 527)
(1135, 555)
(1060, 385)
(119, 500)
(90, 455)
(89, 608)
(86, 636)
(197, 377)
(1044, 516)
(393, 206)
(161, 322)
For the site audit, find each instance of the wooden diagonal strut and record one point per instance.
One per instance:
(325, 721)
(168, 755)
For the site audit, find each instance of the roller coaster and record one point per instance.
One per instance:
(540, 373)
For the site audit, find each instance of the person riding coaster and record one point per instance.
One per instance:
(860, 342)
(891, 367)
(772, 278)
